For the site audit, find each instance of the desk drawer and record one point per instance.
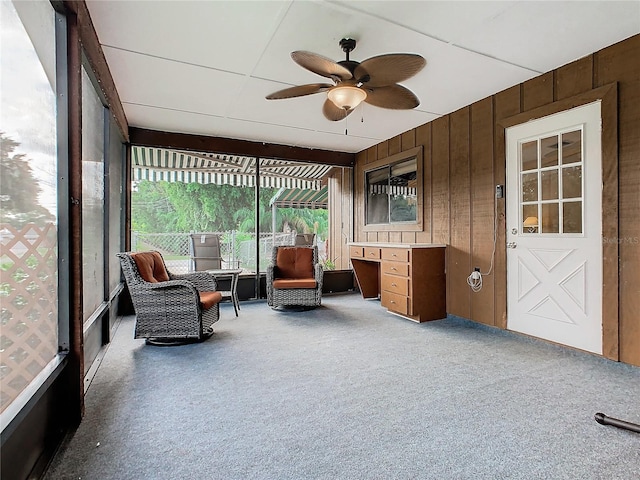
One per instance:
(395, 302)
(395, 268)
(356, 252)
(395, 254)
(371, 253)
(395, 284)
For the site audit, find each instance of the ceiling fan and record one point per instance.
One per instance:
(374, 81)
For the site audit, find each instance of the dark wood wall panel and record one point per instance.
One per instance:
(372, 156)
(483, 203)
(610, 201)
(459, 251)
(423, 139)
(383, 149)
(537, 92)
(506, 104)
(464, 158)
(440, 179)
(619, 63)
(574, 78)
(394, 145)
(408, 140)
(359, 195)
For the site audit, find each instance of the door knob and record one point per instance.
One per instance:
(511, 244)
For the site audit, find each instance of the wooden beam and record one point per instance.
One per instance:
(201, 143)
(505, 104)
(76, 358)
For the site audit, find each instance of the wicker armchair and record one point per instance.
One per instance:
(294, 277)
(169, 308)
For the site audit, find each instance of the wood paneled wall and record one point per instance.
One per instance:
(340, 182)
(464, 158)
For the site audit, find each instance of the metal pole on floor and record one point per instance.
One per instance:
(602, 419)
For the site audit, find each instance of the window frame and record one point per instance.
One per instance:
(411, 226)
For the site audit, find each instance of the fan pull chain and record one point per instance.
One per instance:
(346, 125)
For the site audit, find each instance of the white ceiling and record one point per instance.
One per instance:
(204, 67)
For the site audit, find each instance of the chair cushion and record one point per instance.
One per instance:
(283, 283)
(209, 299)
(294, 262)
(151, 266)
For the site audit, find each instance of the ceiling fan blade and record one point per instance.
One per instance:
(395, 97)
(388, 69)
(333, 113)
(299, 91)
(321, 65)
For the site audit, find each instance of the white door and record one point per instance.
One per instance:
(554, 228)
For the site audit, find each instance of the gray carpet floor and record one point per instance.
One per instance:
(348, 391)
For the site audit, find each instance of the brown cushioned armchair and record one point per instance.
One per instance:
(294, 277)
(169, 308)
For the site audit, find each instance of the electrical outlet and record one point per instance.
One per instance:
(499, 191)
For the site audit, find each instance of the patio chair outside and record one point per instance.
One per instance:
(305, 239)
(205, 251)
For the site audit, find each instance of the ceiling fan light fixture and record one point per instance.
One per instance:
(347, 97)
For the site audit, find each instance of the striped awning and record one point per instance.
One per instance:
(298, 198)
(160, 164)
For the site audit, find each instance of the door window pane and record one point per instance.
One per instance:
(530, 218)
(549, 151)
(572, 147)
(550, 218)
(549, 184)
(572, 217)
(572, 182)
(529, 155)
(529, 187)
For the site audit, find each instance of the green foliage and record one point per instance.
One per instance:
(328, 264)
(19, 189)
(162, 207)
(245, 218)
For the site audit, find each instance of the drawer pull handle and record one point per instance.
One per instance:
(393, 301)
(394, 268)
(394, 285)
(394, 255)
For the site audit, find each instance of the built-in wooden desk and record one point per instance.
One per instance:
(409, 279)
